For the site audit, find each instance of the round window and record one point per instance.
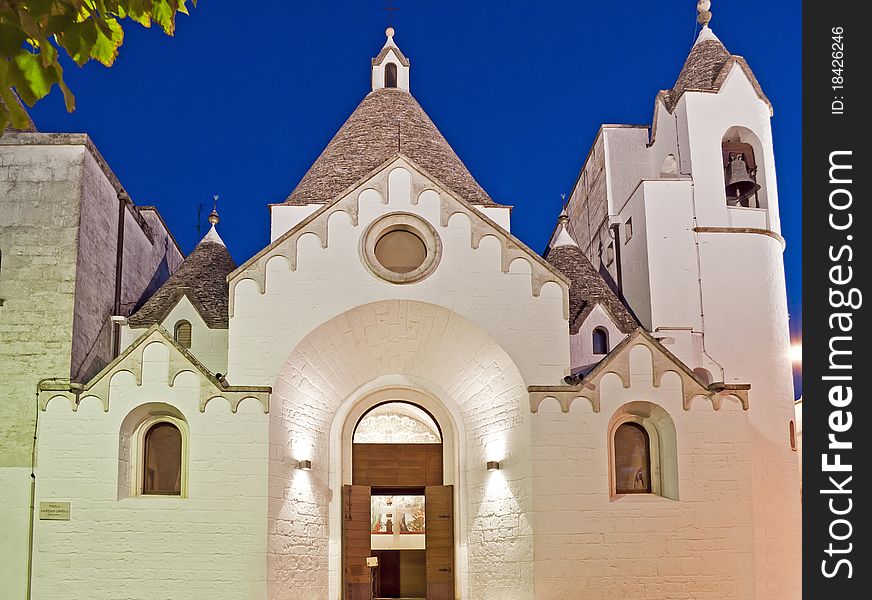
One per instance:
(401, 248)
(400, 251)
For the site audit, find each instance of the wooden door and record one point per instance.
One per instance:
(439, 515)
(356, 527)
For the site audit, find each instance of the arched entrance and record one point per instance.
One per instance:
(398, 516)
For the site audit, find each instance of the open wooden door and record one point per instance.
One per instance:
(356, 528)
(439, 511)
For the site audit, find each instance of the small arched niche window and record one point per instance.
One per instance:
(391, 75)
(632, 459)
(162, 459)
(792, 434)
(600, 341)
(182, 334)
(643, 451)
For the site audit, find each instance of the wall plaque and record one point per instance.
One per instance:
(54, 511)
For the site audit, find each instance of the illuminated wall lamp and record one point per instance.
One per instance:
(305, 465)
(493, 465)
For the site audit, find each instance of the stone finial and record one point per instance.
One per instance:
(214, 219)
(704, 14)
(563, 237)
(390, 33)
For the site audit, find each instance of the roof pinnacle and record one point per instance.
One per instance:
(563, 237)
(214, 219)
(704, 14)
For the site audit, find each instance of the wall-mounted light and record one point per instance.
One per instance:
(305, 465)
(493, 465)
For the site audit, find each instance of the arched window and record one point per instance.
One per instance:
(397, 423)
(183, 334)
(600, 341)
(792, 435)
(632, 459)
(643, 451)
(162, 460)
(391, 75)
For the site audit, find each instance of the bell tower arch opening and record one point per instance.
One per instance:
(744, 176)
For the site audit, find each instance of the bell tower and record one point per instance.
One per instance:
(390, 69)
(716, 268)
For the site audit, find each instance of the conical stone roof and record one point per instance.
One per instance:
(706, 69)
(587, 287)
(388, 122)
(202, 277)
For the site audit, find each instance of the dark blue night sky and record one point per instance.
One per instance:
(246, 95)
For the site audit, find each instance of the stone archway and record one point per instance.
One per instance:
(329, 380)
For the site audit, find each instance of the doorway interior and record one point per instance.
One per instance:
(397, 489)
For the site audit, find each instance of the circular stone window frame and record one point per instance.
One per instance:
(401, 221)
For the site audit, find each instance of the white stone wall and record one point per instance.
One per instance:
(39, 213)
(727, 286)
(591, 545)
(758, 353)
(743, 282)
(330, 278)
(581, 344)
(209, 346)
(470, 334)
(58, 224)
(210, 544)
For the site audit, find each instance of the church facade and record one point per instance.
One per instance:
(397, 398)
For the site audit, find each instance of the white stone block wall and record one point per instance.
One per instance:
(728, 286)
(589, 544)
(759, 354)
(581, 344)
(209, 346)
(475, 335)
(210, 544)
(58, 222)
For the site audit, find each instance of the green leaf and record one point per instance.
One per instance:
(164, 14)
(79, 40)
(11, 40)
(86, 29)
(10, 110)
(32, 80)
(105, 49)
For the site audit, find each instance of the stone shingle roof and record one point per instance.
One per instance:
(706, 69)
(386, 123)
(384, 52)
(588, 289)
(202, 277)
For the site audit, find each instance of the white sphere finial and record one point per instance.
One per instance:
(389, 32)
